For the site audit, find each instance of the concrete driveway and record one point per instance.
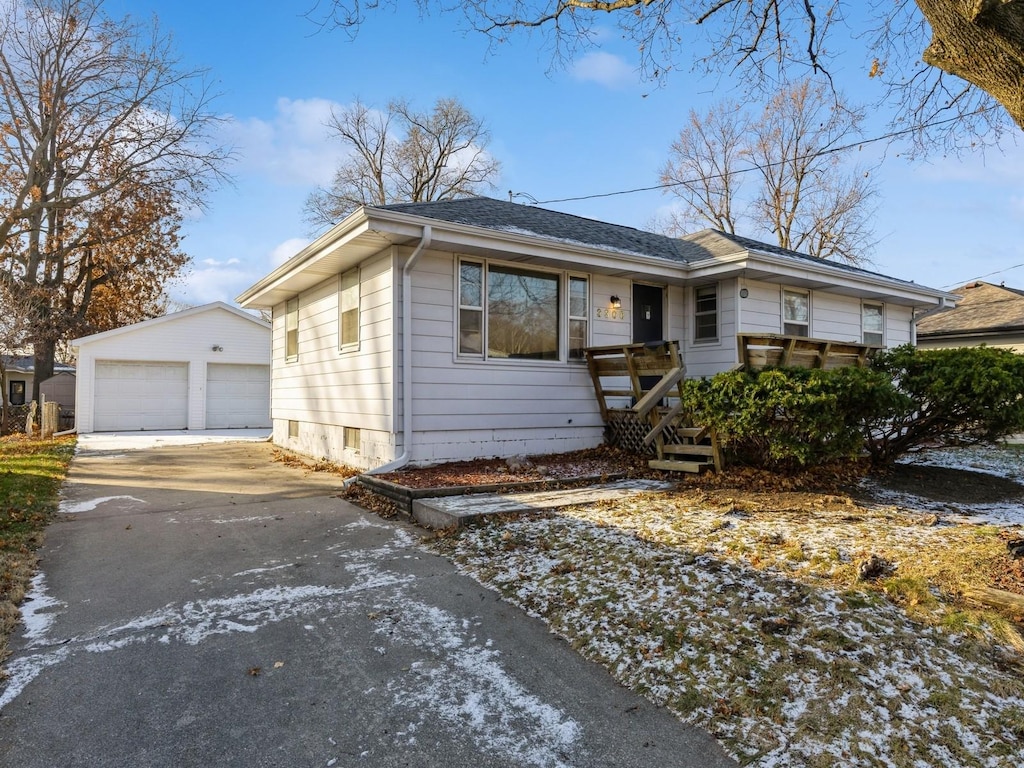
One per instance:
(203, 605)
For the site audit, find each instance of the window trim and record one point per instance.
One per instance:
(291, 334)
(570, 317)
(478, 309)
(350, 346)
(718, 328)
(797, 292)
(880, 305)
(21, 385)
(563, 307)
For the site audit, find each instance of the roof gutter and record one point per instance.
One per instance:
(708, 267)
(403, 459)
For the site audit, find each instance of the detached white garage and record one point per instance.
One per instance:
(203, 368)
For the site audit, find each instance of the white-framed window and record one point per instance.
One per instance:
(705, 314)
(293, 428)
(796, 313)
(291, 329)
(471, 308)
(872, 319)
(512, 312)
(579, 314)
(348, 310)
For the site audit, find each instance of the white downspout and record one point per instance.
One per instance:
(403, 459)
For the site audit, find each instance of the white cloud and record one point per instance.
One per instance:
(284, 251)
(292, 147)
(605, 69)
(208, 282)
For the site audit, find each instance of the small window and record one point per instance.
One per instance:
(579, 301)
(873, 324)
(348, 315)
(16, 393)
(471, 308)
(291, 330)
(293, 428)
(705, 313)
(796, 313)
(352, 439)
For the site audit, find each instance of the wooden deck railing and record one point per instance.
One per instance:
(635, 385)
(774, 349)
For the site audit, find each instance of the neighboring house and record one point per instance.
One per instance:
(206, 367)
(19, 375)
(985, 314)
(429, 332)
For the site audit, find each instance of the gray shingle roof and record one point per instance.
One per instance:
(26, 364)
(983, 308)
(501, 215)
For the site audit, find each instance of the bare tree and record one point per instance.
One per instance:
(98, 120)
(402, 155)
(705, 167)
(794, 158)
(936, 57)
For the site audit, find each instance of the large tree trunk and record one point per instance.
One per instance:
(5, 407)
(982, 42)
(43, 354)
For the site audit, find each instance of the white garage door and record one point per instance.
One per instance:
(237, 396)
(134, 396)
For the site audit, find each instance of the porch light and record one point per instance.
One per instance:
(616, 302)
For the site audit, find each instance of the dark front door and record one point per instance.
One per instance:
(648, 322)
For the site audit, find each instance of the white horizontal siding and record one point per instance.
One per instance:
(761, 311)
(325, 385)
(899, 324)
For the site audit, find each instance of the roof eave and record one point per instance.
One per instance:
(404, 228)
(912, 293)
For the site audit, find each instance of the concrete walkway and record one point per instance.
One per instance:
(448, 511)
(201, 605)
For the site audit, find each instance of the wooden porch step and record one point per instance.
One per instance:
(670, 465)
(689, 450)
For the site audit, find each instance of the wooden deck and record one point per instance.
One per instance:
(765, 350)
(638, 389)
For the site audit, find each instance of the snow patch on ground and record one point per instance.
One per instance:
(36, 611)
(998, 461)
(465, 684)
(74, 508)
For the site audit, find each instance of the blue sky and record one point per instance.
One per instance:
(592, 127)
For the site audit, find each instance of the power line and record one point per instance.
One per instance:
(810, 155)
(982, 277)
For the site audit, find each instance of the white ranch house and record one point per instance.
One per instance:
(429, 332)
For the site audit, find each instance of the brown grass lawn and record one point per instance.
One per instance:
(31, 472)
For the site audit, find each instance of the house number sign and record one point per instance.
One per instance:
(606, 313)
